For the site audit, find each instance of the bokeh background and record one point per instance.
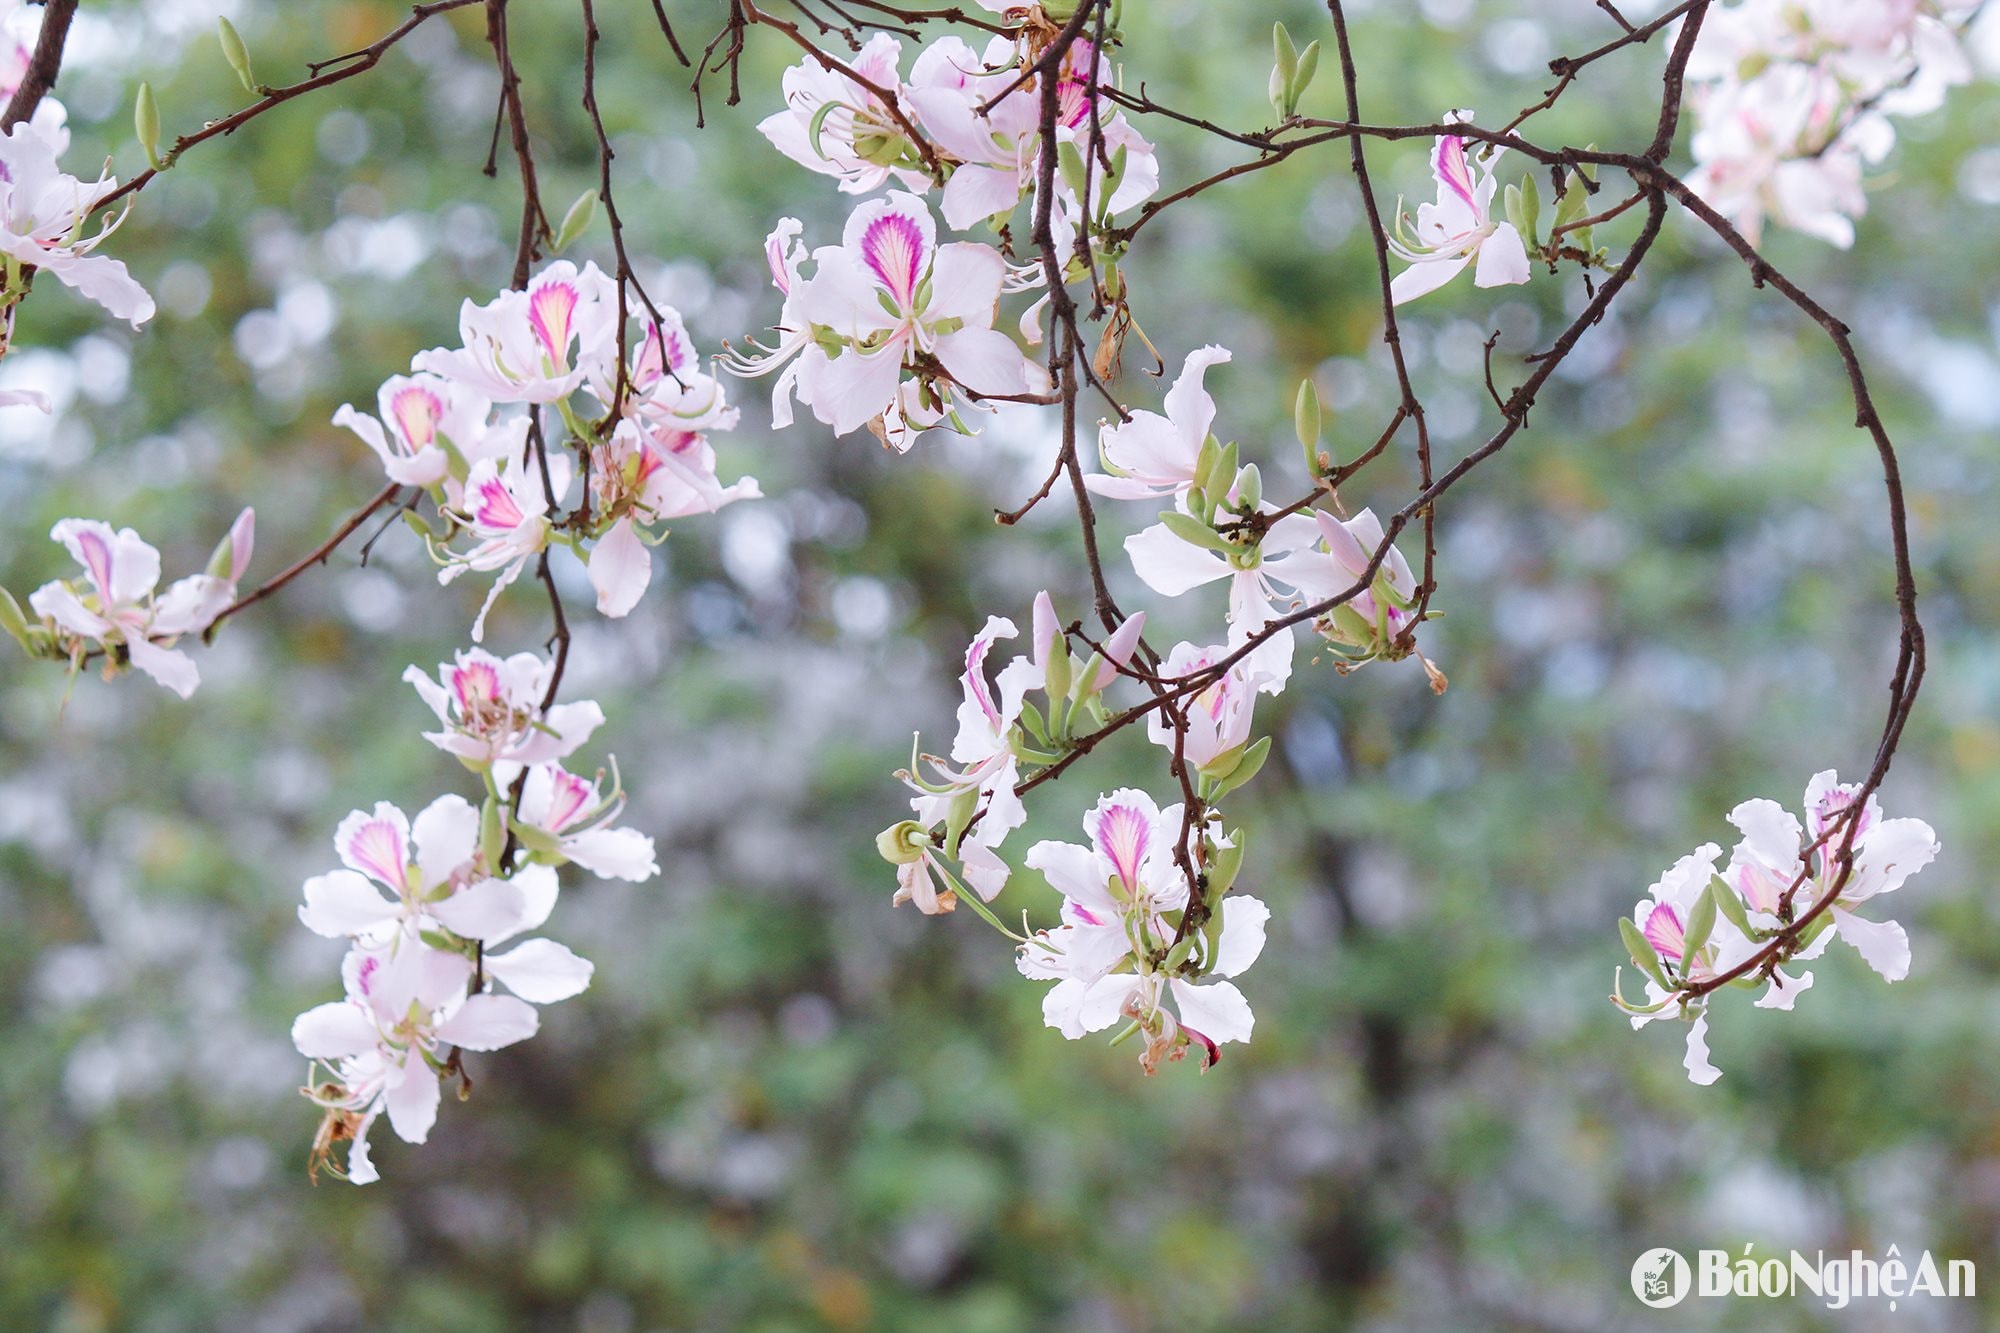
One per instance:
(783, 1105)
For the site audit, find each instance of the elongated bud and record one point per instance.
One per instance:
(1306, 422)
(236, 53)
(14, 622)
(1731, 907)
(903, 842)
(146, 122)
(1642, 951)
(1246, 768)
(1249, 488)
(1070, 159)
(492, 834)
(1308, 66)
(1195, 532)
(232, 554)
(1223, 868)
(1118, 650)
(1284, 69)
(1700, 925)
(1531, 212)
(958, 816)
(576, 221)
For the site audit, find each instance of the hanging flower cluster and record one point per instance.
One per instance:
(1794, 101)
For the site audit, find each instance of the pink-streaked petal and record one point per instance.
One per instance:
(1123, 835)
(1663, 931)
(376, 844)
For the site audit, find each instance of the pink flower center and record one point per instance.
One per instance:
(496, 507)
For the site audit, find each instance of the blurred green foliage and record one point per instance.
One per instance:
(783, 1105)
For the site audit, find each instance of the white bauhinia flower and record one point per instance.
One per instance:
(1459, 228)
(491, 710)
(536, 345)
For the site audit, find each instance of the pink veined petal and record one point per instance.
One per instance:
(1663, 931)
(413, 1102)
(376, 844)
(620, 568)
(489, 1022)
(342, 903)
(1452, 169)
(416, 411)
(541, 971)
(1123, 836)
(333, 1031)
(896, 251)
(551, 312)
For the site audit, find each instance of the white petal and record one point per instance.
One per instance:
(1784, 991)
(1696, 1062)
(490, 909)
(614, 853)
(1881, 944)
(488, 1022)
(343, 903)
(446, 833)
(330, 1031)
(1215, 1009)
(413, 1103)
(620, 568)
(1243, 921)
(541, 971)
(1169, 565)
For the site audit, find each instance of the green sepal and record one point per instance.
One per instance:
(1252, 761)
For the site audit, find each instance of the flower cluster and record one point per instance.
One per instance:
(1128, 940)
(1788, 890)
(1793, 102)
(113, 609)
(476, 428)
(423, 901)
(893, 330)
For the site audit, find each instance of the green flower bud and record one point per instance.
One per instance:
(236, 53)
(576, 221)
(146, 121)
(1642, 951)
